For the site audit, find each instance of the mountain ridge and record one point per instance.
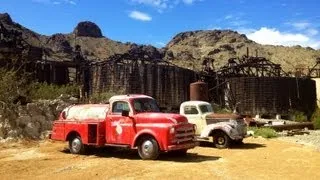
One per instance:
(186, 49)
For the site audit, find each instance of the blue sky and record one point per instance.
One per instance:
(278, 22)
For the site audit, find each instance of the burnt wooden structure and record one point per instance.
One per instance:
(167, 83)
(254, 85)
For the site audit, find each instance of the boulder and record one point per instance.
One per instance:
(22, 121)
(33, 109)
(32, 130)
(88, 29)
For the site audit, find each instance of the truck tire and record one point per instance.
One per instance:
(148, 148)
(76, 146)
(221, 140)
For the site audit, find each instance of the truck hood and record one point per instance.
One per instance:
(160, 118)
(221, 117)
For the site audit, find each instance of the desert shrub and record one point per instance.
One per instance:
(298, 116)
(316, 118)
(51, 91)
(104, 96)
(264, 132)
(219, 109)
(11, 86)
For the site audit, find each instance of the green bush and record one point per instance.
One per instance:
(219, 109)
(316, 118)
(51, 91)
(298, 116)
(11, 86)
(104, 96)
(264, 132)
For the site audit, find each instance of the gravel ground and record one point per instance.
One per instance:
(257, 158)
(312, 139)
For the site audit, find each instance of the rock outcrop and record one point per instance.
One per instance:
(32, 120)
(5, 18)
(59, 43)
(222, 45)
(88, 29)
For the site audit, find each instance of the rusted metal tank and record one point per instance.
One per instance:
(199, 91)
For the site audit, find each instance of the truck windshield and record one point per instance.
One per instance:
(204, 108)
(145, 105)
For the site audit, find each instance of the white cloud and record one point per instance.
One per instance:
(228, 17)
(300, 25)
(140, 16)
(273, 36)
(161, 5)
(70, 2)
(188, 1)
(312, 32)
(214, 27)
(41, 1)
(56, 2)
(235, 20)
(239, 23)
(160, 44)
(304, 27)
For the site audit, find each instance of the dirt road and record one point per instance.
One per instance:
(256, 159)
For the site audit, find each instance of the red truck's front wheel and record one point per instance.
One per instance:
(148, 148)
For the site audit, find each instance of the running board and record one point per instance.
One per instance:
(202, 138)
(118, 145)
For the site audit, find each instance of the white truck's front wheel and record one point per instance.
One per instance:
(221, 140)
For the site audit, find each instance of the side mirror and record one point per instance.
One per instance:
(125, 113)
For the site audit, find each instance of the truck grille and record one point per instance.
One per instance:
(241, 127)
(184, 135)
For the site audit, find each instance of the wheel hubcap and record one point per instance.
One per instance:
(76, 145)
(221, 140)
(147, 147)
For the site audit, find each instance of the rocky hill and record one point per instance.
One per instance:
(186, 49)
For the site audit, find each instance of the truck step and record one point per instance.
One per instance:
(202, 138)
(119, 145)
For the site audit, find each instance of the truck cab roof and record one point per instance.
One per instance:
(128, 97)
(196, 103)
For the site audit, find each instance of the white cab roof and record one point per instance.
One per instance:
(196, 103)
(127, 97)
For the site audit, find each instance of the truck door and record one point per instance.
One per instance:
(193, 115)
(119, 129)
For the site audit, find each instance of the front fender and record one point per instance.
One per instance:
(147, 132)
(218, 126)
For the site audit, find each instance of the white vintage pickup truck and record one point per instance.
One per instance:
(221, 128)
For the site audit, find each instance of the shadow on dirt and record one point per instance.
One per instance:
(235, 146)
(111, 152)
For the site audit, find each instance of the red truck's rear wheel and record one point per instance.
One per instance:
(148, 148)
(76, 146)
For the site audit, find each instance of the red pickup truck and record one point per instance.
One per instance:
(130, 121)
